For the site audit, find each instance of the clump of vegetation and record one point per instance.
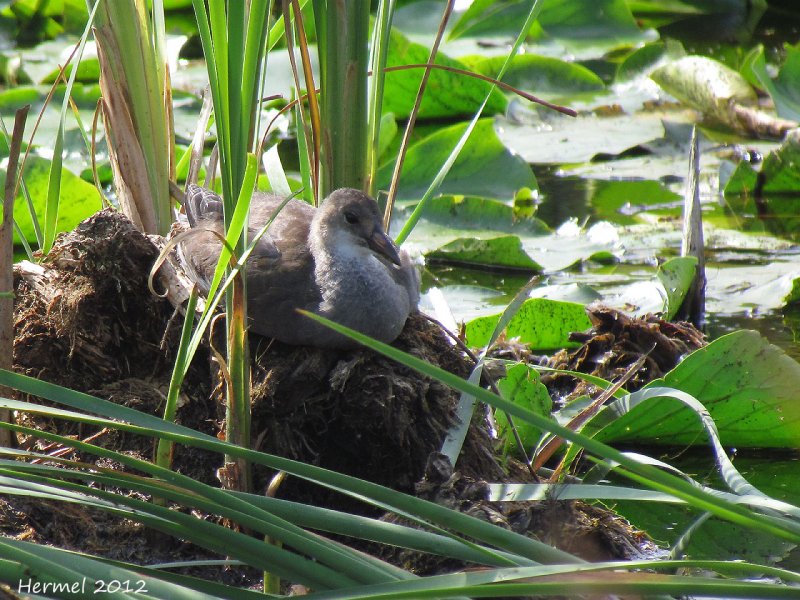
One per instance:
(262, 465)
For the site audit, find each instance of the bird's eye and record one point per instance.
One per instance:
(351, 217)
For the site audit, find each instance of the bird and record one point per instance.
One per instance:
(335, 261)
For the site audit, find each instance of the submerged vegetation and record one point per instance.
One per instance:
(533, 155)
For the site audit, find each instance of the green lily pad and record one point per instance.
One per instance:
(641, 60)
(784, 88)
(78, 201)
(51, 18)
(540, 323)
(447, 94)
(622, 201)
(779, 173)
(16, 98)
(522, 386)
(88, 72)
(502, 252)
(539, 74)
(479, 214)
(607, 20)
(491, 18)
(748, 386)
(485, 167)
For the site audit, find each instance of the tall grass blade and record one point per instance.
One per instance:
(137, 114)
(387, 499)
(416, 214)
(634, 469)
(343, 40)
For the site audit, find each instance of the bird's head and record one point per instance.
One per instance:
(351, 217)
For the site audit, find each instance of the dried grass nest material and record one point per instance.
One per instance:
(85, 319)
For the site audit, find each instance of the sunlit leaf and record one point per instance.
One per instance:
(784, 88)
(706, 85)
(549, 138)
(447, 94)
(78, 199)
(503, 252)
(522, 386)
(540, 74)
(748, 386)
(475, 172)
(542, 324)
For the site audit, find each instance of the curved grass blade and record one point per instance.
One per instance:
(647, 474)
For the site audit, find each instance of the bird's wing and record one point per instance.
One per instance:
(280, 269)
(201, 250)
(276, 288)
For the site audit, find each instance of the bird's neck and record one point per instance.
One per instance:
(351, 278)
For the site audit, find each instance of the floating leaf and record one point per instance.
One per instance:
(488, 17)
(522, 386)
(784, 89)
(707, 86)
(473, 213)
(539, 74)
(607, 20)
(555, 139)
(78, 199)
(446, 95)
(780, 172)
(485, 167)
(641, 60)
(88, 72)
(542, 324)
(503, 252)
(748, 386)
(704, 83)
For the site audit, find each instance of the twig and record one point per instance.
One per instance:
(6, 266)
(412, 118)
(555, 442)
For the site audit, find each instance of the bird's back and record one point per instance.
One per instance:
(280, 269)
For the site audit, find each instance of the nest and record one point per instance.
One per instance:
(86, 320)
(615, 344)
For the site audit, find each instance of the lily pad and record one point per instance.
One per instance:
(485, 167)
(753, 287)
(501, 252)
(479, 214)
(784, 88)
(641, 60)
(447, 94)
(574, 20)
(780, 173)
(540, 323)
(88, 72)
(748, 386)
(78, 199)
(541, 75)
(522, 386)
(556, 139)
(706, 85)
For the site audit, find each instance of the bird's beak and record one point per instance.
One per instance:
(383, 244)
